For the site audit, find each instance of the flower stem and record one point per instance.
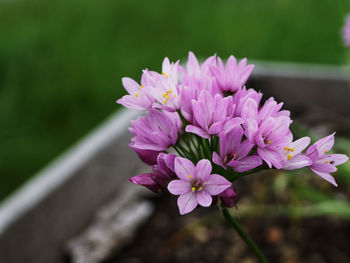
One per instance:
(233, 222)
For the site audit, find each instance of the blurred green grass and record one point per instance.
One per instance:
(61, 61)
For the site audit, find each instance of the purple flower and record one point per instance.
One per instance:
(346, 31)
(137, 99)
(195, 185)
(241, 96)
(292, 157)
(196, 78)
(234, 153)
(156, 131)
(162, 174)
(232, 77)
(229, 197)
(323, 163)
(270, 138)
(210, 114)
(194, 73)
(164, 87)
(268, 128)
(147, 156)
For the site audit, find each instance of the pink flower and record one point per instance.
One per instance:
(232, 77)
(196, 78)
(268, 128)
(163, 88)
(162, 174)
(194, 73)
(147, 156)
(156, 131)
(195, 185)
(323, 163)
(137, 99)
(292, 157)
(229, 197)
(234, 153)
(211, 114)
(241, 96)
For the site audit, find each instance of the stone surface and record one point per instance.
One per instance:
(115, 224)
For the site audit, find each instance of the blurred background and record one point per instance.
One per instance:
(61, 61)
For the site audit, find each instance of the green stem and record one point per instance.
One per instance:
(179, 151)
(233, 222)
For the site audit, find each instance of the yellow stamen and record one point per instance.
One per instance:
(167, 97)
(165, 94)
(174, 96)
(292, 149)
(287, 148)
(201, 187)
(268, 142)
(166, 75)
(164, 101)
(326, 162)
(325, 151)
(289, 156)
(136, 95)
(141, 86)
(170, 91)
(190, 176)
(234, 156)
(193, 189)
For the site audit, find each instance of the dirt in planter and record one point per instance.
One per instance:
(203, 236)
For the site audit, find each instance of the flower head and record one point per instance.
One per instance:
(196, 185)
(204, 113)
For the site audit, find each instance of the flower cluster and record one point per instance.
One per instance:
(203, 129)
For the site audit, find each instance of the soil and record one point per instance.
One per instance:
(203, 236)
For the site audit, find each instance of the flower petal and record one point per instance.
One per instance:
(179, 187)
(323, 167)
(297, 162)
(187, 202)
(325, 176)
(130, 85)
(216, 184)
(203, 198)
(147, 181)
(248, 163)
(271, 157)
(299, 145)
(184, 168)
(218, 160)
(336, 159)
(200, 132)
(203, 169)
